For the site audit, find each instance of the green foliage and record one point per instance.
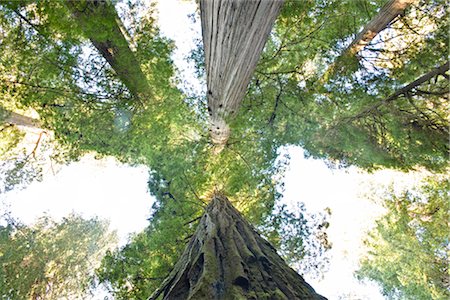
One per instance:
(19, 171)
(49, 259)
(136, 270)
(47, 65)
(345, 118)
(19, 165)
(165, 134)
(300, 238)
(408, 249)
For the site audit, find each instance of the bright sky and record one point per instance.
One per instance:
(345, 192)
(91, 187)
(119, 193)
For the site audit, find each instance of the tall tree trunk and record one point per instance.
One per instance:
(234, 34)
(20, 120)
(385, 16)
(101, 24)
(227, 259)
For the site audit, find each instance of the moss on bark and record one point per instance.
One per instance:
(227, 259)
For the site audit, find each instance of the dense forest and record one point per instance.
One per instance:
(355, 83)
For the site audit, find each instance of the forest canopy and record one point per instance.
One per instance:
(91, 78)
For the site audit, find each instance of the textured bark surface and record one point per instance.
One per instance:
(234, 34)
(385, 16)
(227, 259)
(101, 24)
(21, 120)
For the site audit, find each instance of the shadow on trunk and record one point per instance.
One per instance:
(227, 259)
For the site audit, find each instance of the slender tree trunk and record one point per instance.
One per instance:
(20, 120)
(385, 16)
(424, 78)
(101, 24)
(234, 34)
(441, 70)
(227, 259)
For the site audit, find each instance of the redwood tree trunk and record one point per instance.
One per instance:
(234, 34)
(101, 24)
(382, 19)
(227, 259)
(385, 16)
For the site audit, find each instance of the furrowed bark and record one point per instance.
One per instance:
(227, 259)
(100, 23)
(234, 34)
(385, 16)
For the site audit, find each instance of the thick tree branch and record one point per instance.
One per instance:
(405, 90)
(277, 101)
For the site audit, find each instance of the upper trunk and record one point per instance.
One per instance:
(101, 24)
(20, 120)
(385, 16)
(234, 34)
(227, 259)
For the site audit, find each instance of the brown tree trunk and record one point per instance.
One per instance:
(101, 24)
(20, 120)
(385, 16)
(227, 259)
(234, 34)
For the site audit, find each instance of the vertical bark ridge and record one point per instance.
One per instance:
(227, 259)
(234, 34)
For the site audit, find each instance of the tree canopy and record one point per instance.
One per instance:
(103, 81)
(51, 259)
(408, 249)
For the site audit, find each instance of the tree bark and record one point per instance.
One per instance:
(227, 259)
(20, 120)
(234, 34)
(385, 16)
(100, 23)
